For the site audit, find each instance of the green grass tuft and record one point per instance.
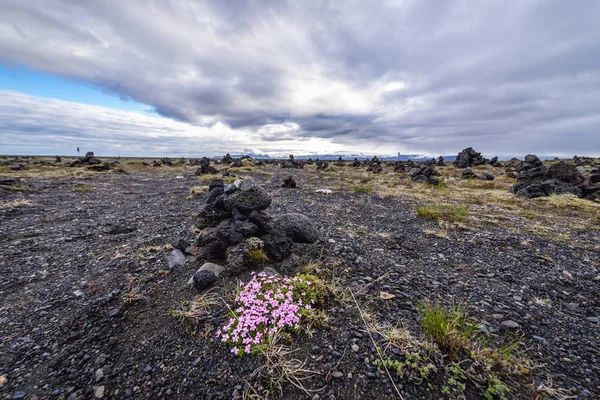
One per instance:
(82, 188)
(362, 189)
(449, 327)
(447, 212)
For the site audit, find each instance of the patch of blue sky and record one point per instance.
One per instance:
(28, 81)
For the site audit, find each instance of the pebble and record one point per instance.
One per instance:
(593, 319)
(114, 313)
(19, 395)
(99, 392)
(355, 347)
(337, 374)
(510, 324)
(539, 338)
(99, 374)
(497, 316)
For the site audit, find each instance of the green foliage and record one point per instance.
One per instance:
(528, 214)
(311, 288)
(362, 189)
(496, 389)
(449, 327)
(448, 212)
(82, 188)
(416, 367)
(255, 258)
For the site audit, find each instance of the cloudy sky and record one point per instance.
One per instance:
(192, 78)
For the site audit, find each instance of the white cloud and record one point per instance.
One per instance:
(411, 75)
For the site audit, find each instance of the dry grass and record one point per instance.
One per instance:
(280, 367)
(488, 202)
(197, 190)
(15, 204)
(190, 313)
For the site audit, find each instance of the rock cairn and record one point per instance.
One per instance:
(468, 173)
(205, 167)
(237, 234)
(292, 163)
(536, 180)
(423, 174)
(470, 158)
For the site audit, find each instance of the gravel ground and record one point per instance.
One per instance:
(68, 256)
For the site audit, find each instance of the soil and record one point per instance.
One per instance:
(69, 255)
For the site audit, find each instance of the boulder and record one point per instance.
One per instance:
(278, 245)
(247, 196)
(533, 160)
(547, 188)
(565, 172)
(297, 226)
(203, 279)
(208, 216)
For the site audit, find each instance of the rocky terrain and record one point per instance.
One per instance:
(101, 258)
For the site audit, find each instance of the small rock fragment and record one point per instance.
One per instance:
(99, 392)
(176, 259)
(511, 324)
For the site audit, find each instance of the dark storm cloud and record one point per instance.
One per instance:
(405, 75)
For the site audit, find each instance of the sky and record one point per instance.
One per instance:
(193, 78)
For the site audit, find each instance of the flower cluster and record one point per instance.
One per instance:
(266, 305)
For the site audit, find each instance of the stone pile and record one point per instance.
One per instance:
(289, 182)
(292, 163)
(470, 158)
(88, 159)
(205, 167)
(322, 165)
(237, 234)
(468, 173)
(536, 180)
(374, 165)
(227, 159)
(423, 174)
